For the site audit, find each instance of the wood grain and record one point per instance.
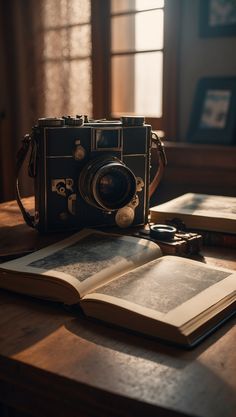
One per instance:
(55, 362)
(16, 237)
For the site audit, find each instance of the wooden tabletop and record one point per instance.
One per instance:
(57, 362)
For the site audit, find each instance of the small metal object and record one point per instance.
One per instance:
(162, 232)
(79, 151)
(74, 121)
(139, 184)
(124, 217)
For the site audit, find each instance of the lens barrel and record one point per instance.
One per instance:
(107, 183)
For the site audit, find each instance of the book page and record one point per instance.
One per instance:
(160, 287)
(87, 259)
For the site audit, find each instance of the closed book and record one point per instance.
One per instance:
(199, 211)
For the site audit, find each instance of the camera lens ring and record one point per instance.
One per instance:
(114, 172)
(107, 183)
(162, 232)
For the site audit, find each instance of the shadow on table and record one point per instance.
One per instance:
(129, 342)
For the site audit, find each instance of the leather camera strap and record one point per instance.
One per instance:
(162, 162)
(21, 155)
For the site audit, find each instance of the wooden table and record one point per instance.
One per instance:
(58, 363)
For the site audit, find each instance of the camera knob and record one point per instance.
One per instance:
(132, 120)
(51, 122)
(124, 217)
(74, 121)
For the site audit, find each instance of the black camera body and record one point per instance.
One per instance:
(90, 173)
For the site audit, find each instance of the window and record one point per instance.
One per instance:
(137, 57)
(65, 60)
(110, 57)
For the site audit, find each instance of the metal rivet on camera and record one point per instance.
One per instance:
(79, 152)
(69, 184)
(134, 202)
(139, 184)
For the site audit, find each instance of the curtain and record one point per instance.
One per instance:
(45, 70)
(18, 87)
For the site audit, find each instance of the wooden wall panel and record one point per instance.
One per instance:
(197, 168)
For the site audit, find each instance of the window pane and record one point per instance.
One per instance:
(54, 92)
(80, 41)
(142, 31)
(148, 4)
(80, 87)
(57, 13)
(122, 33)
(137, 84)
(148, 84)
(67, 43)
(55, 44)
(122, 84)
(54, 13)
(68, 88)
(119, 6)
(65, 64)
(149, 30)
(80, 11)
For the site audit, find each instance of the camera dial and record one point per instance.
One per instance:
(124, 217)
(74, 121)
(132, 120)
(107, 183)
(51, 122)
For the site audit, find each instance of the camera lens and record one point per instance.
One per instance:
(107, 184)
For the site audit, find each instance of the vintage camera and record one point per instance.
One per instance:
(90, 173)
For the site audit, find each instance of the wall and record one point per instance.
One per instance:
(199, 57)
(192, 167)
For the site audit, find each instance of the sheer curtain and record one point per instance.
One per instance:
(45, 70)
(65, 57)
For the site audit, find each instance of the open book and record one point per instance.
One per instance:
(199, 211)
(125, 280)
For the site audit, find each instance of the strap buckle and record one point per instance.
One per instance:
(162, 162)
(161, 150)
(21, 155)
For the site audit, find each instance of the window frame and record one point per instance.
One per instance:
(101, 65)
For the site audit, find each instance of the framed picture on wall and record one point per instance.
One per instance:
(217, 18)
(213, 118)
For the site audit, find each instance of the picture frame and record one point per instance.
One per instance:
(217, 18)
(213, 118)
